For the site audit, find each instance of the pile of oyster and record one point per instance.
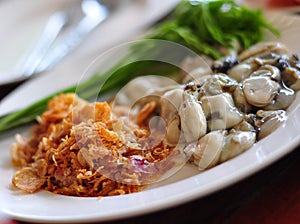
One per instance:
(220, 113)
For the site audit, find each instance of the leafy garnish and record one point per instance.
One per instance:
(204, 25)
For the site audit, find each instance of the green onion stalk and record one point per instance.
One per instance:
(201, 26)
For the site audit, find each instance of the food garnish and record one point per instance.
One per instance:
(204, 26)
(84, 149)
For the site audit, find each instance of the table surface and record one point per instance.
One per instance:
(269, 196)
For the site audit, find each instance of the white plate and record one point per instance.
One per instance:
(184, 186)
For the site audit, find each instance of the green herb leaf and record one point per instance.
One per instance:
(203, 26)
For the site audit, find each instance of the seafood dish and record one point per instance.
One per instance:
(212, 115)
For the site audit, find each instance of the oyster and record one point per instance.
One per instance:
(192, 119)
(240, 100)
(262, 49)
(260, 91)
(245, 125)
(173, 132)
(206, 153)
(269, 121)
(268, 71)
(170, 102)
(236, 142)
(291, 77)
(220, 111)
(282, 100)
(142, 90)
(193, 68)
(240, 71)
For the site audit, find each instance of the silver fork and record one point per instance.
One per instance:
(62, 33)
(45, 56)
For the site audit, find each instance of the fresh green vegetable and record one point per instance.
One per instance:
(202, 26)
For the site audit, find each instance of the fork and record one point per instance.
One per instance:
(64, 31)
(94, 13)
